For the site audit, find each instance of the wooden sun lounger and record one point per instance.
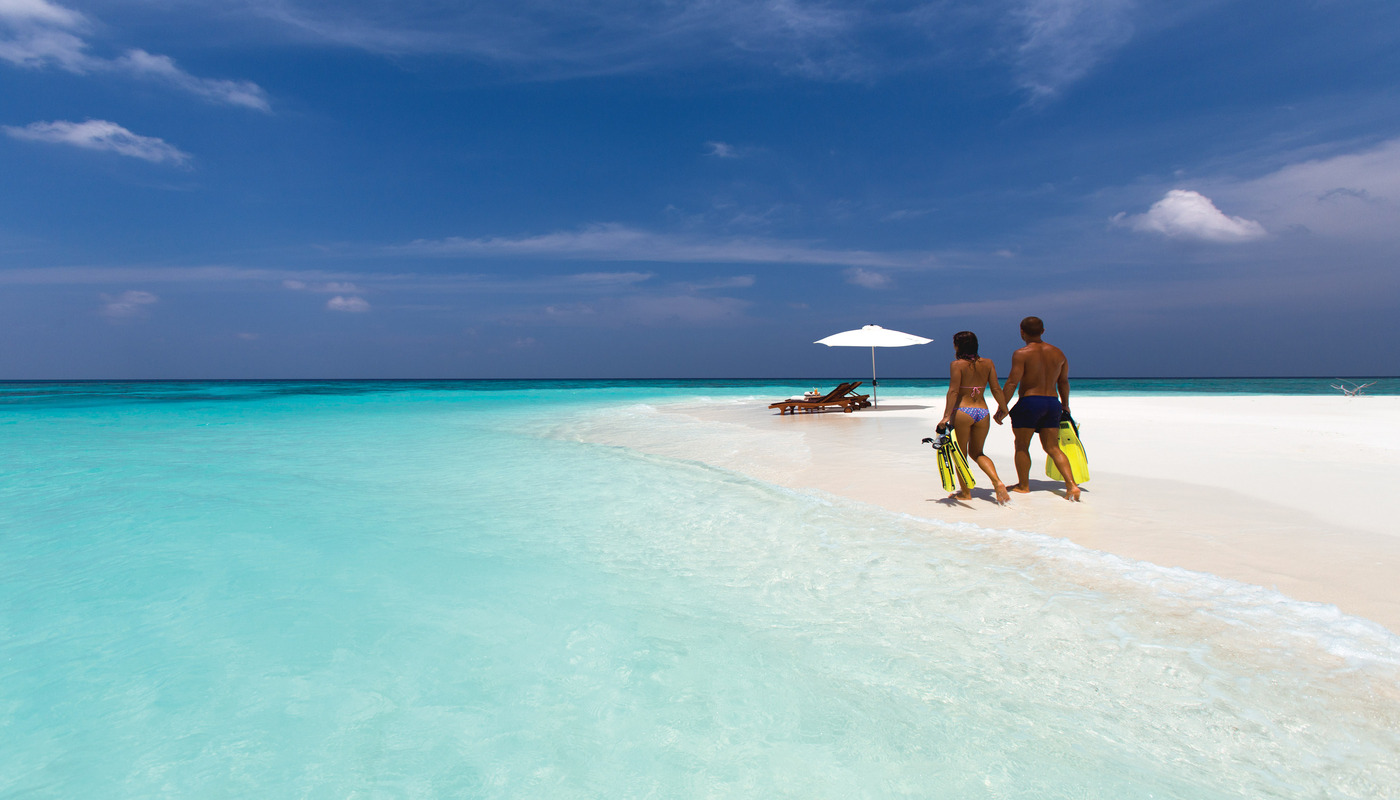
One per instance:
(842, 397)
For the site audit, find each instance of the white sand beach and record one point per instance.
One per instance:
(1289, 492)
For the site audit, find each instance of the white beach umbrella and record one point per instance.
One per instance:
(872, 336)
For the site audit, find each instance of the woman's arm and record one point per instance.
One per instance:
(955, 390)
(996, 387)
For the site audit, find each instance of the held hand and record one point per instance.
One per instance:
(1000, 415)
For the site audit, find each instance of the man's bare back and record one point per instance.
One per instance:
(1042, 368)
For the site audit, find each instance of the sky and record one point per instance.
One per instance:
(672, 189)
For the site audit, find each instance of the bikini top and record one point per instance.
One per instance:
(974, 389)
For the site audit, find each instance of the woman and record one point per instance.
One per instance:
(967, 410)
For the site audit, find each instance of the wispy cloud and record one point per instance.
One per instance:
(324, 282)
(163, 69)
(128, 304)
(570, 38)
(1184, 214)
(901, 214)
(1040, 304)
(1350, 195)
(37, 34)
(353, 305)
(642, 309)
(1062, 40)
(72, 276)
(1049, 43)
(329, 287)
(721, 150)
(608, 278)
(870, 279)
(733, 282)
(99, 134)
(614, 242)
(38, 12)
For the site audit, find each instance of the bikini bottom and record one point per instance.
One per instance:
(977, 414)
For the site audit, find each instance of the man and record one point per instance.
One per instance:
(1042, 372)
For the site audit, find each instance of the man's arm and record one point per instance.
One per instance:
(1018, 367)
(1062, 383)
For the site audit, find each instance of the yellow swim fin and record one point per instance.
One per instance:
(945, 470)
(1073, 450)
(951, 463)
(960, 461)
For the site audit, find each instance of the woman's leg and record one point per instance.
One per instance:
(977, 437)
(962, 424)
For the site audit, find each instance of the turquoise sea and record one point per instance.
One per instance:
(433, 589)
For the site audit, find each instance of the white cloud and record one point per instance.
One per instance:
(131, 303)
(98, 134)
(1185, 214)
(721, 150)
(352, 305)
(571, 38)
(37, 34)
(1049, 43)
(732, 282)
(328, 287)
(40, 11)
(901, 214)
(1354, 195)
(642, 310)
(681, 308)
(609, 278)
(1062, 40)
(867, 278)
(163, 69)
(327, 282)
(613, 242)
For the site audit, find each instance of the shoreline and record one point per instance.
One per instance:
(1283, 491)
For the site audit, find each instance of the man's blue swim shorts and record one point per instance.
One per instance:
(1037, 412)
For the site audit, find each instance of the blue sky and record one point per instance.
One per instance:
(304, 188)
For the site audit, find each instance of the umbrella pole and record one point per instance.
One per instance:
(874, 384)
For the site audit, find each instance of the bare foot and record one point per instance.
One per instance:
(965, 494)
(1072, 495)
(1002, 497)
(1019, 489)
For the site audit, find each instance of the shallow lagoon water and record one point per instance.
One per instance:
(405, 590)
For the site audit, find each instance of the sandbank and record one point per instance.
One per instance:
(1289, 492)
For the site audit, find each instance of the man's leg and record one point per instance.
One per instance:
(1023, 459)
(1050, 440)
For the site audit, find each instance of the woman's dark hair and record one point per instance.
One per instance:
(966, 343)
